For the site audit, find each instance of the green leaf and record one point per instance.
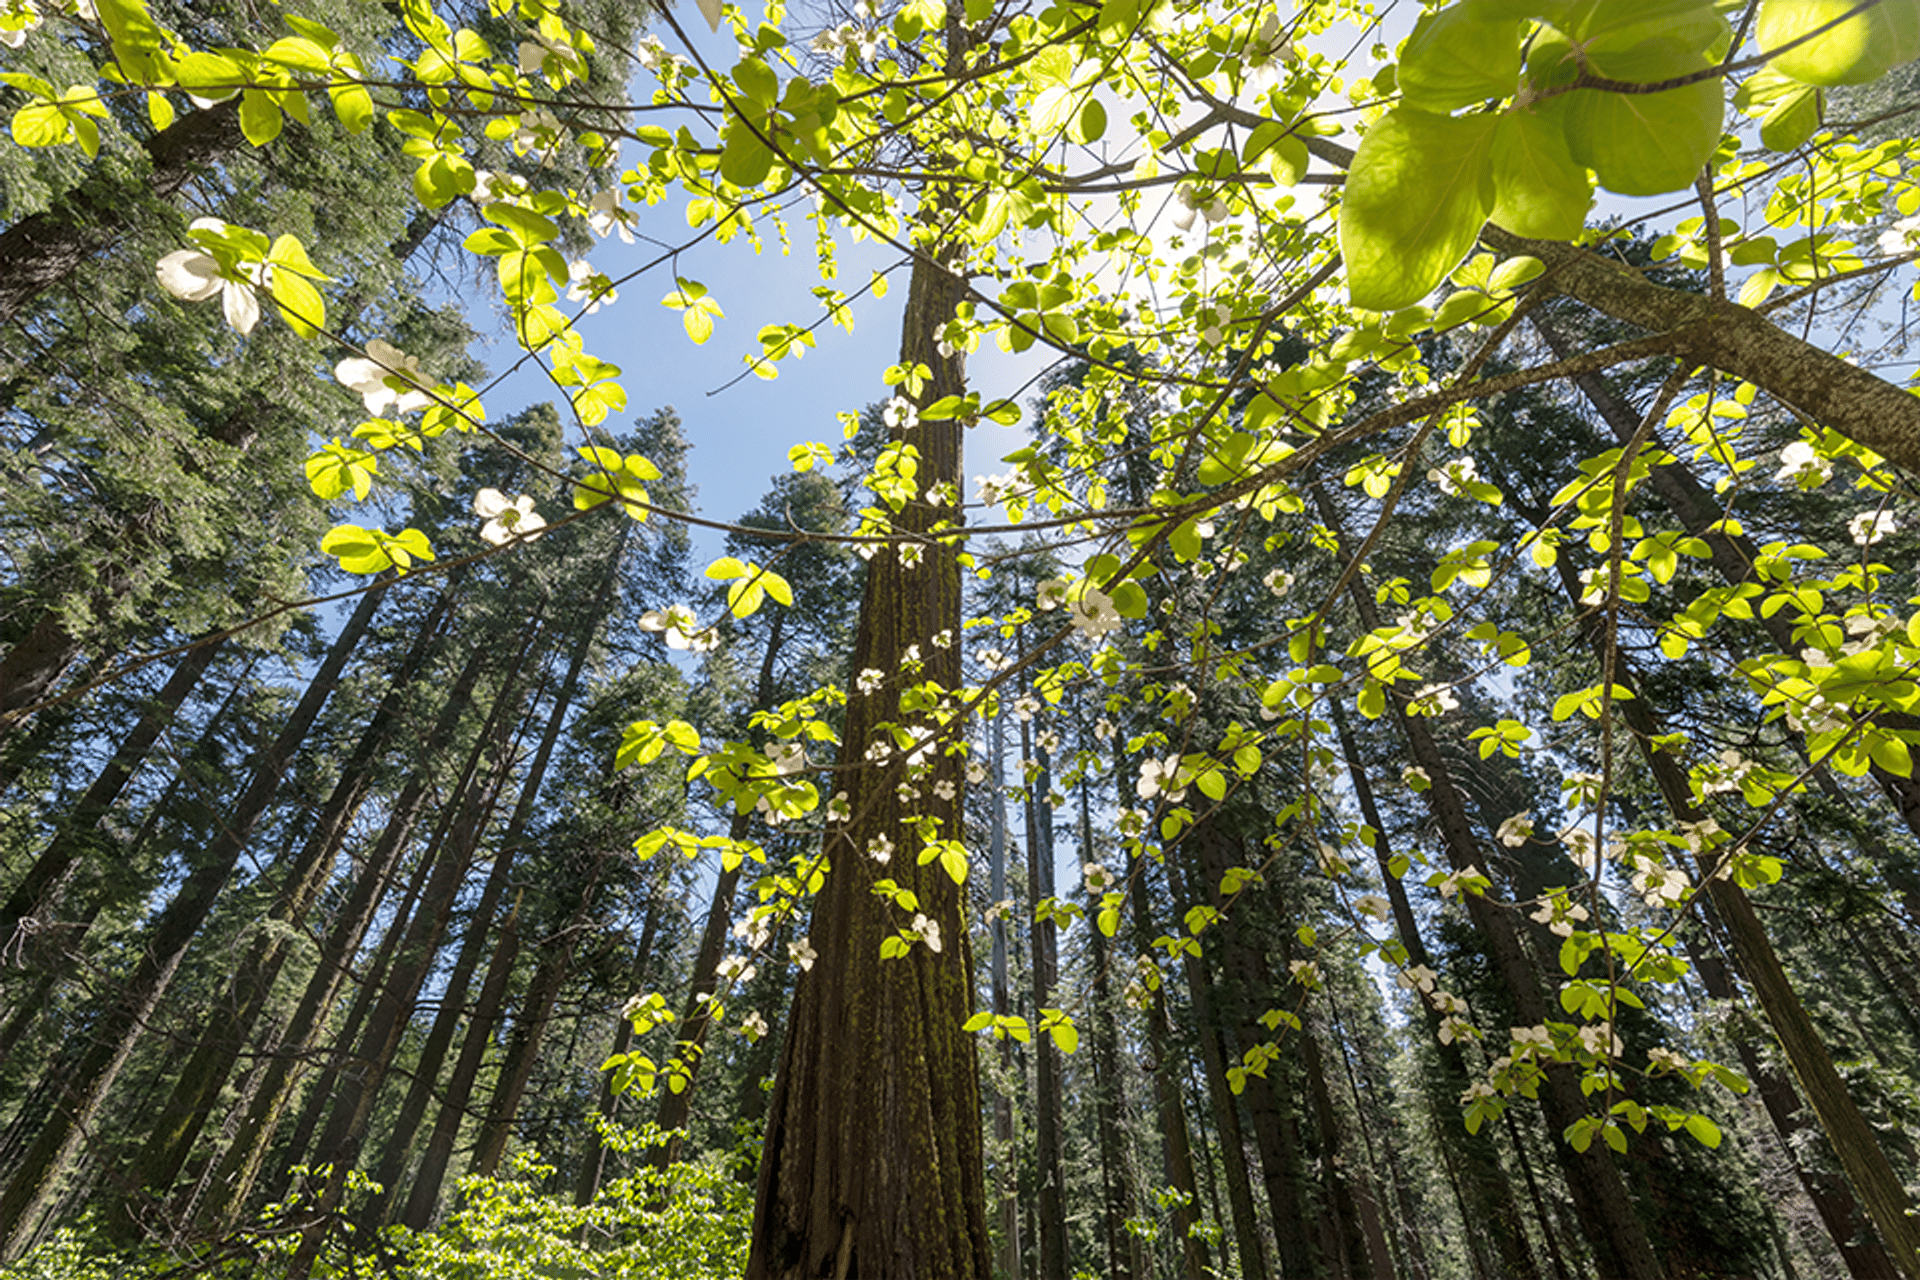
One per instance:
(1419, 190)
(1454, 59)
(1539, 192)
(1703, 1131)
(1862, 48)
(354, 105)
(260, 118)
(1129, 600)
(978, 1022)
(40, 124)
(337, 468)
(1789, 111)
(1090, 125)
(746, 160)
(137, 40)
(208, 75)
(299, 303)
(1645, 144)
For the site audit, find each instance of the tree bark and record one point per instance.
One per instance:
(872, 1165)
(1050, 1203)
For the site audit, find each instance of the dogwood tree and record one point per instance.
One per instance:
(1311, 245)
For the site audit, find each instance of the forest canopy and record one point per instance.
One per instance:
(1420, 733)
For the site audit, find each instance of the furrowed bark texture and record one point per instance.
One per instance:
(872, 1165)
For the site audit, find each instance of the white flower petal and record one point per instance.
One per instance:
(241, 307)
(189, 275)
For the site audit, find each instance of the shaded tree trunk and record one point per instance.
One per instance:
(232, 1177)
(32, 1186)
(1050, 1203)
(872, 1165)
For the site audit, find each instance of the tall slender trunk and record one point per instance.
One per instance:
(1043, 945)
(1607, 1218)
(1168, 1095)
(872, 1164)
(119, 1030)
(231, 1179)
(359, 1085)
(426, 1185)
(75, 835)
(1124, 1259)
(594, 1167)
(1855, 1141)
(1215, 1055)
(423, 1190)
(696, 1013)
(1011, 1254)
(1732, 555)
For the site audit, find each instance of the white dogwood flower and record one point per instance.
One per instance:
(507, 518)
(386, 378)
(680, 627)
(193, 275)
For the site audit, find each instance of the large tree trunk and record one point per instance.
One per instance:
(119, 1030)
(872, 1165)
